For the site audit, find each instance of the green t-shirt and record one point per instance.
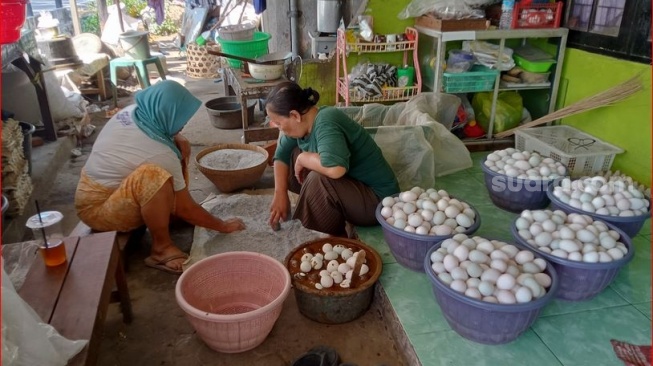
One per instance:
(341, 141)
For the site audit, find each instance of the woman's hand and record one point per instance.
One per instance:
(279, 209)
(231, 225)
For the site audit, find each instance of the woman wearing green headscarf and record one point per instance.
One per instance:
(136, 174)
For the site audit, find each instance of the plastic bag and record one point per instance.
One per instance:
(487, 54)
(414, 137)
(25, 339)
(508, 111)
(443, 9)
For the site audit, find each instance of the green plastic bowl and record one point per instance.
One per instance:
(533, 66)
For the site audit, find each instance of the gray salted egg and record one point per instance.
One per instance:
(543, 279)
(326, 281)
(332, 266)
(337, 277)
(327, 247)
(388, 202)
(445, 277)
(386, 212)
(330, 255)
(306, 257)
(316, 263)
(305, 266)
(408, 196)
(338, 248)
(343, 268)
(346, 254)
(473, 282)
(415, 219)
(486, 288)
(473, 293)
(364, 269)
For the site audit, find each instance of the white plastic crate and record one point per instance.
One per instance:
(583, 154)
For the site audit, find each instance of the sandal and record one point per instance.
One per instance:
(318, 356)
(161, 264)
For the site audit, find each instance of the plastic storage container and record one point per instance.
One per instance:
(629, 225)
(233, 299)
(485, 322)
(409, 249)
(581, 153)
(536, 15)
(533, 66)
(256, 47)
(480, 78)
(515, 194)
(13, 14)
(579, 280)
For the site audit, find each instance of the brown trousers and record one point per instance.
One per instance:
(326, 204)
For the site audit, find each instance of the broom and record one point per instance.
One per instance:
(605, 98)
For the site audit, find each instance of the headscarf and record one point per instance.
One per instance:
(163, 109)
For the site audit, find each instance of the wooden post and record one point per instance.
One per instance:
(77, 28)
(102, 12)
(122, 26)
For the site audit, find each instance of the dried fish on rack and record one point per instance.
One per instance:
(16, 181)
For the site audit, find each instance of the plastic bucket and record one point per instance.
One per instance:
(135, 45)
(28, 129)
(226, 112)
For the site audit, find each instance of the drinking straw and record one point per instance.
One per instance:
(45, 238)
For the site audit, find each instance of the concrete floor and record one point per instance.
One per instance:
(160, 334)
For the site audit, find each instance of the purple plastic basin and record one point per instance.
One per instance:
(629, 225)
(579, 280)
(515, 194)
(485, 322)
(409, 249)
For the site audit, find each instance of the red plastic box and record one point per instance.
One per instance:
(12, 13)
(527, 15)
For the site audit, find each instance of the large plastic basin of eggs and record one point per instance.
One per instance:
(586, 253)
(518, 180)
(489, 291)
(613, 198)
(415, 220)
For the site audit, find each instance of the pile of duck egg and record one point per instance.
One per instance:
(609, 195)
(427, 212)
(575, 237)
(335, 264)
(524, 165)
(490, 270)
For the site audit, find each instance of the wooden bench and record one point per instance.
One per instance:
(74, 296)
(122, 238)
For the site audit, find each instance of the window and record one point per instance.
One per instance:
(618, 28)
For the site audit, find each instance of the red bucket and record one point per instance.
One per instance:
(12, 13)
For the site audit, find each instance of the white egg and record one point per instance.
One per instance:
(427, 215)
(408, 196)
(490, 275)
(438, 267)
(388, 202)
(473, 293)
(459, 274)
(543, 279)
(477, 256)
(505, 282)
(439, 217)
(450, 262)
(445, 277)
(442, 230)
(524, 256)
(591, 257)
(505, 297)
(458, 285)
(474, 270)
(415, 219)
(409, 208)
(523, 295)
(461, 252)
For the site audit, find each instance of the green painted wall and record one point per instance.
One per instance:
(626, 124)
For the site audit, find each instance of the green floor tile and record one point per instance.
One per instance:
(463, 187)
(373, 236)
(606, 299)
(633, 282)
(495, 222)
(450, 349)
(644, 308)
(642, 244)
(584, 338)
(412, 299)
(646, 229)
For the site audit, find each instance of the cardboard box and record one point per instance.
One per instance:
(446, 25)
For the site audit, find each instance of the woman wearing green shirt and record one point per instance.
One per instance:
(327, 158)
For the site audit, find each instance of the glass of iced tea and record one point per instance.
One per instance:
(54, 254)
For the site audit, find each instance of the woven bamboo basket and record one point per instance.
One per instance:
(230, 180)
(200, 64)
